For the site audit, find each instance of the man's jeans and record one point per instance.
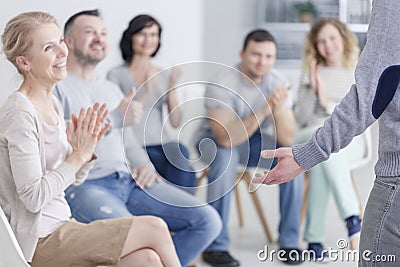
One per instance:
(171, 161)
(221, 178)
(194, 225)
(380, 233)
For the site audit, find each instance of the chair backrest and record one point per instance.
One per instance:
(367, 139)
(10, 252)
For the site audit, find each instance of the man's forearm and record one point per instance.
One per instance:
(285, 126)
(237, 131)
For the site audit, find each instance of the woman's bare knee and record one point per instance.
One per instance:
(160, 229)
(147, 232)
(154, 227)
(157, 224)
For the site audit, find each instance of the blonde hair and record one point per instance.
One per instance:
(350, 43)
(17, 35)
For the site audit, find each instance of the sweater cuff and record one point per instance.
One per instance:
(308, 154)
(68, 172)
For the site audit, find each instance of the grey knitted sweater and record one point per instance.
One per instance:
(373, 97)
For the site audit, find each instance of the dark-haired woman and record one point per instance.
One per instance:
(140, 42)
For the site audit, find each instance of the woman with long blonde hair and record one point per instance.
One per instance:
(329, 58)
(41, 157)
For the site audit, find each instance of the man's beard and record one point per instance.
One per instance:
(86, 60)
(253, 75)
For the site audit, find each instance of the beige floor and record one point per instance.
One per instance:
(247, 241)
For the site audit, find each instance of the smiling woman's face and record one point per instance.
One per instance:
(46, 59)
(146, 41)
(330, 45)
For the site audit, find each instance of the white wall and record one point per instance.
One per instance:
(226, 23)
(182, 23)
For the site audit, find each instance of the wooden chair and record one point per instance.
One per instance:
(245, 175)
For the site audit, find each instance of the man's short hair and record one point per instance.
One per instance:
(68, 25)
(258, 35)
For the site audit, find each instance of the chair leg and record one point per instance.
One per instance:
(259, 209)
(239, 205)
(247, 178)
(354, 242)
(358, 196)
(305, 196)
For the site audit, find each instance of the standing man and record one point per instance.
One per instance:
(373, 97)
(110, 190)
(241, 109)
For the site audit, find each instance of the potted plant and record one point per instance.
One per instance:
(306, 10)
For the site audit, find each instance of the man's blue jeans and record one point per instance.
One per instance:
(194, 225)
(171, 161)
(221, 178)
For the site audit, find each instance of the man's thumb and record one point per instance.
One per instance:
(268, 154)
